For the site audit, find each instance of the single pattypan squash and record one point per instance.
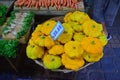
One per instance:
(103, 39)
(51, 61)
(76, 27)
(92, 29)
(48, 26)
(67, 34)
(35, 35)
(92, 45)
(49, 42)
(33, 51)
(67, 17)
(79, 36)
(79, 17)
(92, 58)
(72, 63)
(73, 49)
(30, 42)
(40, 40)
(56, 50)
(38, 28)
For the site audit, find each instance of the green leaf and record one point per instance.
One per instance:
(4, 29)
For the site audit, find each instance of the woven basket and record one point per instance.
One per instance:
(62, 69)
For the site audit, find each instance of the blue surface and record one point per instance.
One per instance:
(108, 68)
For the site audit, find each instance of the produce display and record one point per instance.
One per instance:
(47, 3)
(14, 31)
(17, 26)
(81, 42)
(3, 12)
(8, 48)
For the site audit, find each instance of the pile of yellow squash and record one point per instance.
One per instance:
(82, 41)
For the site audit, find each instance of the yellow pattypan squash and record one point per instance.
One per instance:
(76, 27)
(38, 28)
(33, 51)
(67, 17)
(92, 58)
(73, 49)
(30, 42)
(92, 45)
(79, 36)
(92, 29)
(48, 26)
(51, 61)
(67, 34)
(36, 34)
(49, 42)
(72, 63)
(56, 50)
(79, 17)
(40, 40)
(103, 39)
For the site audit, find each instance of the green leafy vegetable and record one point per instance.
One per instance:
(2, 20)
(26, 26)
(3, 10)
(4, 29)
(8, 48)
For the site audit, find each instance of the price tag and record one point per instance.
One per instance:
(57, 31)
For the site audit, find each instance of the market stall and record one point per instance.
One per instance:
(57, 35)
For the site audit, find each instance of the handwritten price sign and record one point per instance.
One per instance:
(57, 31)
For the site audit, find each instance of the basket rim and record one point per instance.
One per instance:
(63, 70)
